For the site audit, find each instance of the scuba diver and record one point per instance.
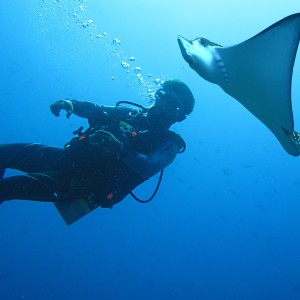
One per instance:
(122, 147)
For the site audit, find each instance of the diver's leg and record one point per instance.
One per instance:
(28, 157)
(36, 186)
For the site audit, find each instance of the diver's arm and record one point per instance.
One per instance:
(98, 112)
(147, 166)
(88, 110)
(91, 111)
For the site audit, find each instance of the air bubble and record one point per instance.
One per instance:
(86, 24)
(116, 42)
(124, 64)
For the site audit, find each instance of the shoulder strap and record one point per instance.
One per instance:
(179, 140)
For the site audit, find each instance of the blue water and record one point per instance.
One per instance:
(225, 223)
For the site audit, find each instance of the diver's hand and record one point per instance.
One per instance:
(106, 141)
(57, 106)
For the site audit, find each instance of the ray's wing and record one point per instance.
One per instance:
(260, 75)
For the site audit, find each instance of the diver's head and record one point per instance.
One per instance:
(173, 102)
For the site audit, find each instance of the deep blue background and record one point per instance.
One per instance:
(225, 223)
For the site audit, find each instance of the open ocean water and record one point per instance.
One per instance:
(226, 221)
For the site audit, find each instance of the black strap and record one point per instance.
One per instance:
(133, 104)
(154, 193)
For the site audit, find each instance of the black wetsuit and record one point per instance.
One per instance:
(64, 174)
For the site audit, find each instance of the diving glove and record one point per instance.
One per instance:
(106, 141)
(57, 106)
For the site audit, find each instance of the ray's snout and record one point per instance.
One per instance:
(184, 45)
